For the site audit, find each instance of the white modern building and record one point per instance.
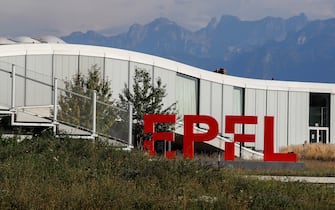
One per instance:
(303, 112)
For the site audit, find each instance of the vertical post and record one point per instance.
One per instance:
(25, 81)
(94, 101)
(13, 87)
(55, 105)
(240, 150)
(322, 111)
(242, 143)
(130, 127)
(52, 67)
(169, 146)
(165, 148)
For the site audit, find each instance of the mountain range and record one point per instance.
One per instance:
(295, 49)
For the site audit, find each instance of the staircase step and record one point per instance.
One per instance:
(29, 118)
(72, 130)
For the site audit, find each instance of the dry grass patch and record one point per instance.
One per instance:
(324, 152)
(319, 168)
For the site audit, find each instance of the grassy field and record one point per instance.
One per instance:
(47, 173)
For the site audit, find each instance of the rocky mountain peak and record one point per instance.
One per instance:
(294, 45)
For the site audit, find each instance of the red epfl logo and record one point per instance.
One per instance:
(190, 137)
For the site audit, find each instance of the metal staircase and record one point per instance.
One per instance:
(46, 116)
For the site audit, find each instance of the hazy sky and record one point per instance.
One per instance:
(60, 17)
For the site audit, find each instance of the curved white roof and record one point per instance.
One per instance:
(25, 40)
(51, 39)
(5, 41)
(70, 49)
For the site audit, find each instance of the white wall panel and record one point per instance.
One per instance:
(18, 61)
(5, 90)
(39, 67)
(65, 68)
(277, 107)
(6, 64)
(168, 78)
(250, 110)
(332, 118)
(260, 112)
(116, 71)
(19, 91)
(227, 104)
(216, 104)
(272, 103)
(272, 110)
(86, 63)
(134, 66)
(38, 94)
(205, 97)
(298, 117)
(281, 121)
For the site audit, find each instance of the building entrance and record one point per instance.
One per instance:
(319, 117)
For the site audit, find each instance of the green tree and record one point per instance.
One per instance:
(146, 98)
(76, 105)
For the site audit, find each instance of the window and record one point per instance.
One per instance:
(186, 94)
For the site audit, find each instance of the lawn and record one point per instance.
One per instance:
(48, 173)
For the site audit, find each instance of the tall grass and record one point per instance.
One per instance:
(324, 152)
(47, 173)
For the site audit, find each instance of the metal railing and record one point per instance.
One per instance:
(79, 111)
(84, 111)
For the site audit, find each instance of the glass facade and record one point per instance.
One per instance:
(319, 109)
(169, 80)
(294, 111)
(186, 94)
(319, 117)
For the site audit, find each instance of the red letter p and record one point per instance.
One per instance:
(190, 137)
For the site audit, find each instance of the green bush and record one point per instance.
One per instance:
(48, 173)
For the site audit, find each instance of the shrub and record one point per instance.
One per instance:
(48, 173)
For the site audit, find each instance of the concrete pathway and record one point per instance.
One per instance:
(316, 180)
